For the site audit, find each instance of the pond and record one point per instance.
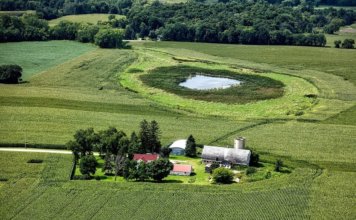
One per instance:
(201, 82)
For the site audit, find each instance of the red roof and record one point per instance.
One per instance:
(146, 157)
(182, 168)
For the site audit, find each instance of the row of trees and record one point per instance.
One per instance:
(30, 28)
(346, 44)
(50, 9)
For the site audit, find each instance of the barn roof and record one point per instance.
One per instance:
(235, 156)
(182, 168)
(146, 157)
(179, 144)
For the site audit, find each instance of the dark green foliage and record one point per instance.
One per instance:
(109, 141)
(87, 140)
(223, 175)
(253, 87)
(129, 169)
(134, 146)
(88, 165)
(268, 175)
(214, 166)
(150, 137)
(165, 151)
(254, 159)
(250, 170)
(108, 166)
(337, 43)
(75, 148)
(65, 30)
(160, 168)
(10, 74)
(246, 22)
(35, 161)
(86, 33)
(278, 165)
(348, 44)
(109, 38)
(190, 149)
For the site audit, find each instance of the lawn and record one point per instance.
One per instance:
(85, 18)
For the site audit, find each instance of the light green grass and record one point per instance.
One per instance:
(85, 18)
(17, 13)
(35, 57)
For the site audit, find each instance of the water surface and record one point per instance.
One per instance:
(201, 82)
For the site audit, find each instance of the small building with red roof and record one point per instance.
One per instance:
(145, 157)
(181, 169)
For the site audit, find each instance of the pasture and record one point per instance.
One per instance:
(85, 18)
(314, 135)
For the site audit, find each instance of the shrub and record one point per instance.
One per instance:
(348, 44)
(251, 170)
(278, 165)
(10, 74)
(255, 158)
(109, 38)
(35, 161)
(192, 179)
(3, 179)
(223, 175)
(268, 175)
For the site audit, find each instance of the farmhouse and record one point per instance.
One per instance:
(227, 156)
(181, 170)
(178, 147)
(145, 157)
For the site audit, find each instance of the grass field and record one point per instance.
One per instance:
(100, 88)
(85, 18)
(46, 55)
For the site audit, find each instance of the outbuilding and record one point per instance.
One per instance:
(182, 170)
(178, 147)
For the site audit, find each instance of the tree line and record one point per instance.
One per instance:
(30, 28)
(245, 22)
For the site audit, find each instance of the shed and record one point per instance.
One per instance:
(181, 170)
(145, 157)
(178, 147)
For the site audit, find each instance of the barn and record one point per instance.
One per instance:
(178, 147)
(181, 170)
(227, 156)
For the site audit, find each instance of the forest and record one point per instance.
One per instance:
(242, 21)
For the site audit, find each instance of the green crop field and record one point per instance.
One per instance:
(311, 127)
(86, 18)
(46, 54)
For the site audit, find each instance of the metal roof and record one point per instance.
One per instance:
(179, 144)
(235, 156)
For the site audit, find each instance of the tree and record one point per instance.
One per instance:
(110, 38)
(142, 171)
(223, 175)
(278, 165)
(134, 145)
(165, 151)
(190, 149)
(108, 166)
(88, 165)
(149, 135)
(160, 168)
(337, 43)
(87, 140)
(254, 159)
(129, 169)
(75, 148)
(86, 33)
(10, 73)
(348, 44)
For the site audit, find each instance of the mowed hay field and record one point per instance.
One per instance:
(85, 18)
(101, 88)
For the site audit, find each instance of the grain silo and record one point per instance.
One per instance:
(239, 143)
